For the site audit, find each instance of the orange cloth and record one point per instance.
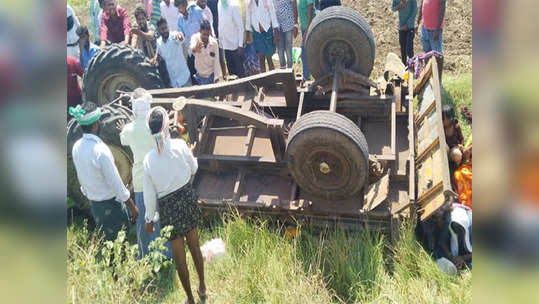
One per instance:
(463, 180)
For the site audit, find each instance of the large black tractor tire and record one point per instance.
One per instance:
(109, 133)
(327, 155)
(339, 31)
(118, 68)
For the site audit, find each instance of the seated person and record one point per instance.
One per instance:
(143, 33)
(453, 133)
(87, 49)
(462, 177)
(447, 234)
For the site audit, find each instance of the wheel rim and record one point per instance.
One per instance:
(338, 50)
(326, 168)
(112, 83)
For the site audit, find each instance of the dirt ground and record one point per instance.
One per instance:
(384, 22)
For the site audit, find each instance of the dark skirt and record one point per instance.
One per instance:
(180, 210)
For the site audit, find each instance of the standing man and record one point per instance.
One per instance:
(306, 15)
(189, 24)
(231, 33)
(169, 11)
(206, 51)
(407, 13)
(115, 24)
(431, 19)
(171, 51)
(137, 136)
(87, 49)
(143, 34)
(262, 28)
(96, 12)
(98, 176)
(207, 13)
(287, 16)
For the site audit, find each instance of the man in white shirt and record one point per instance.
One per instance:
(231, 33)
(170, 12)
(262, 27)
(98, 176)
(136, 135)
(169, 169)
(171, 47)
(206, 51)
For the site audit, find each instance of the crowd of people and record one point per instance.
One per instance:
(198, 43)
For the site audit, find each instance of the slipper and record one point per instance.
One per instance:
(202, 297)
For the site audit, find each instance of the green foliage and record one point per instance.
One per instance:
(261, 265)
(457, 90)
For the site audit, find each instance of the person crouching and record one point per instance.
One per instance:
(169, 169)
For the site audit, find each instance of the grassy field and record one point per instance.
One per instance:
(263, 266)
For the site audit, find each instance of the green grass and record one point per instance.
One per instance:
(457, 90)
(263, 266)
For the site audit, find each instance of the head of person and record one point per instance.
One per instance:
(202, 3)
(87, 115)
(102, 4)
(140, 103)
(141, 17)
(455, 155)
(109, 6)
(182, 6)
(167, 2)
(158, 125)
(448, 115)
(84, 35)
(162, 28)
(205, 31)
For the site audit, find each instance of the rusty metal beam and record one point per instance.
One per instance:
(245, 85)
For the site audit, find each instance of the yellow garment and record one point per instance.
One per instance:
(463, 180)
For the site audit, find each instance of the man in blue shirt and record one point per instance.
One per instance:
(407, 13)
(189, 24)
(87, 49)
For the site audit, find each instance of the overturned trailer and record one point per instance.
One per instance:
(343, 148)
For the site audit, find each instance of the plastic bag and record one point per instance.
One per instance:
(213, 249)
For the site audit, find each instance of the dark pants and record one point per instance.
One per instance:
(163, 72)
(192, 70)
(406, 40)
(234, 63)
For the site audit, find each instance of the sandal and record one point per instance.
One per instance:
(202, 297)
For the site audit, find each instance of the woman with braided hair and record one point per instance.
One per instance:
(169, 198)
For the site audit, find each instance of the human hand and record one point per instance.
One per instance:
(132, 209)
(120, 124)
(199, 46)
(135, 31)
(249, 37)
(178, 36)
(148, 227)
(153, 61)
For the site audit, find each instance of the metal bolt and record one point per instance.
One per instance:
(324, 168)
